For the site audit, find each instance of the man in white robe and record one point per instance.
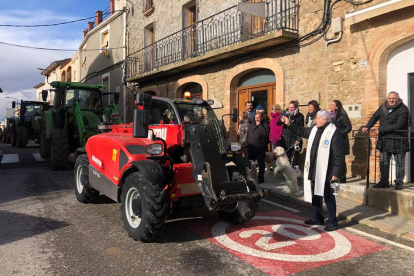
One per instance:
(324, 163)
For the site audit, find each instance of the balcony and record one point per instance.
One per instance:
(227, 34)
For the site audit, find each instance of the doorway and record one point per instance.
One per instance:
(258, 87)
(411, 105)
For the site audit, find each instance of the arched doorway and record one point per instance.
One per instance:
(63, 76)
(400, 78)
(259, 87)
(69, 74)
(195, 89)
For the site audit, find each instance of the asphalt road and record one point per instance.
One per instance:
(46, 231)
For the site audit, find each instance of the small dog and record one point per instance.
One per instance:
(283, 165)
(270, 162)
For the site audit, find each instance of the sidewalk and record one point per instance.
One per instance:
(349, 210)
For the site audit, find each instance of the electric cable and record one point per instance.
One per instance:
(52, 49)
(54, 24)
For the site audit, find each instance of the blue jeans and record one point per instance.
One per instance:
(399, 167)
(261, 160)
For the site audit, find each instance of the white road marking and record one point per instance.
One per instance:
(10, 158)
(38, 158)
(341, 247)
(381, 239)
(281, 206)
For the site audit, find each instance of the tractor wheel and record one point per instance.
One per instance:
(239, 213)
(144, 208)
(59, 149)
(44, 143)
(13, 141)
(83, 191)
(21, 137)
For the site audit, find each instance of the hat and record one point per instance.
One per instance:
(259, 107)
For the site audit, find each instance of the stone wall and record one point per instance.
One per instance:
(316, 71)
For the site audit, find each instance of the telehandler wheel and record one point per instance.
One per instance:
(83, 191)
(44, 143)
(239, 214)
(59, 149)
(144, 208)
(21, 137)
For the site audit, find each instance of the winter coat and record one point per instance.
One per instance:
(336, 163)
(245, 124)
(275, 130)
(391, 119)
(257, 139)
(288, 137)
(343, 125)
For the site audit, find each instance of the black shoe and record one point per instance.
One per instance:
(381, 185)
(399, 187)
(312, 222)
(331, 227)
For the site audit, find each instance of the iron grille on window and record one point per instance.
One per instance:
(148, 7)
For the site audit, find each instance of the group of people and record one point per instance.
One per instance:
(328, 144)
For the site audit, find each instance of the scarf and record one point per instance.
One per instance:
(388, 109)
(322, 160)
(310, 117)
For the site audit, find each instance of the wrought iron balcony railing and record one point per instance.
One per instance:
(217, 31)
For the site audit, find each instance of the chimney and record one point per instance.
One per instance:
(98, 17)
(112, 6)
(90, 26)
(85, 32)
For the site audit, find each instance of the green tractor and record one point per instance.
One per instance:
(26, 125)
(78, 113)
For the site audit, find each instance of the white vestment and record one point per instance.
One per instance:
(322, 160)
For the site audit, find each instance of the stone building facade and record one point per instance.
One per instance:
(351, 68)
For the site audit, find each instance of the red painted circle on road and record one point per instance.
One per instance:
(279, 243)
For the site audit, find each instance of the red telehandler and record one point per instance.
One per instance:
(171, 156)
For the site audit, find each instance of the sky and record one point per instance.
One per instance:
(18, 73)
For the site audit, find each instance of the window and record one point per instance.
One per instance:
(149, 53)
(106, 82)
(104, 40)
(148, 7)
(162, 114)
(190, 33)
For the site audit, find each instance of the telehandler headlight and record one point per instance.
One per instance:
(154, 149)
(235, 146)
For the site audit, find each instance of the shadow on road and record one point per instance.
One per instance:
(22, 226)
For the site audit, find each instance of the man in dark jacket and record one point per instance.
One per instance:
(257, 140)
(393, 115)
(324, 163)
(289, 139)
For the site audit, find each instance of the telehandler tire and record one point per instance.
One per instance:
(59, 149)
(83, 191)
(44, 144)
(144, 208)
(21, 137)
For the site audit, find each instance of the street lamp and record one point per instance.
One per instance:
(47, 76)
(12, 98)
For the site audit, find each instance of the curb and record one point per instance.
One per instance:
(407, 236)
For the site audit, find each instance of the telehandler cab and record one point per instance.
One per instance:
(172, 156)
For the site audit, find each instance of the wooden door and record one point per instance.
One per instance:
(257, 23)
(263, 94)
